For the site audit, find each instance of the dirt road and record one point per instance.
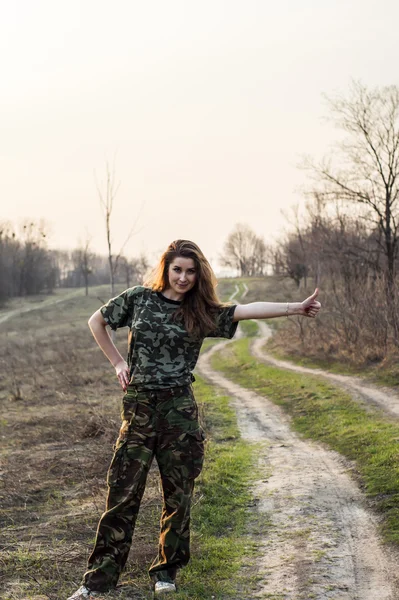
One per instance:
(321, 543)
(360, 390)
(9, 314)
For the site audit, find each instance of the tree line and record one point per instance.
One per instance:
(28, 266)
(347, 239)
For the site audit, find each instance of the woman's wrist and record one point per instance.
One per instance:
(293, 308)
(117, 362)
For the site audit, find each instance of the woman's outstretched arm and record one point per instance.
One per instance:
(267, 310)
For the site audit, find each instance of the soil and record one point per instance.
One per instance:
(321, 540)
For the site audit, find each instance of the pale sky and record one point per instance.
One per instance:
(207, 106)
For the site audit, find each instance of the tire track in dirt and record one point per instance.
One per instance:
(360, 390)
(45, 304)
(321, 543)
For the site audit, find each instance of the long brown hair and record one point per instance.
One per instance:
(199, 304)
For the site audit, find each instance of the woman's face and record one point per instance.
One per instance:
(182, 275)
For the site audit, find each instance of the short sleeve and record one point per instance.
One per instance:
(225, 327)
(118, 311)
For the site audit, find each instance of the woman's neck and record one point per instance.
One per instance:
(172, 295)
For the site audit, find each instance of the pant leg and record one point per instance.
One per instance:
(179, 453)
(127, 476)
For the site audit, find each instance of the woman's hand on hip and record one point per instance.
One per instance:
(122, 373)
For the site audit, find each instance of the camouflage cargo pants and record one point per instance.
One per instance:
(163, 424)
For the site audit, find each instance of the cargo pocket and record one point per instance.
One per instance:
(116, 467)
(129, 407)
(197, 450)
(187, 410)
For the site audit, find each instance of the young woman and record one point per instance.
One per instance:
(168, 319)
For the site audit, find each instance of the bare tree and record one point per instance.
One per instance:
(26, 265)
(36, 268)
(107, 203)
(107, 199)
(357, 320)
(134, 269)
(83, 258)
(293, 257)
(365, 171)
(244, 251)
(9, 261)
(295, 265)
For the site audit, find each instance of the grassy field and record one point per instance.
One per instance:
(60, 416)
(326, 413)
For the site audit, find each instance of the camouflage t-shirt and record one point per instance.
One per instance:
(161, 353)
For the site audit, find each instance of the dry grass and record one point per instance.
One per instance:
(340, 339)
(60, 415)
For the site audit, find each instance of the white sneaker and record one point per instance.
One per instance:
(83, 593)
(163, 587)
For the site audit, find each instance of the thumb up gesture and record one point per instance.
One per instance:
(310, 307)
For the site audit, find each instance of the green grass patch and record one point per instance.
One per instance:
(208, 343)
(226, 287)
(221, 512)
(229, 286)
(249, 328)
(380, 374)
(323, 412)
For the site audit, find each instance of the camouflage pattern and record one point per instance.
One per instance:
(161, 353)
(163, 424)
